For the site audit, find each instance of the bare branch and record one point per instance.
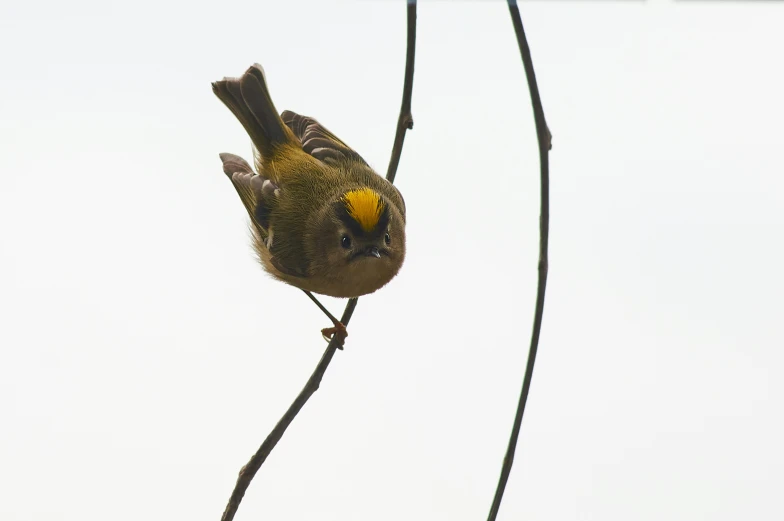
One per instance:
(544, 137)
(311, 386)
(405, 122)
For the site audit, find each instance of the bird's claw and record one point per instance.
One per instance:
(338, 330)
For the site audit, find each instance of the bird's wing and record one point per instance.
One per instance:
(257, 193)
(318, 141)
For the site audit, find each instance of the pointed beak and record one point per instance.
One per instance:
(373, 252)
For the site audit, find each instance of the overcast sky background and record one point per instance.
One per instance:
(144, 355)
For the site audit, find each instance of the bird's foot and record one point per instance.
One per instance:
(338, 330)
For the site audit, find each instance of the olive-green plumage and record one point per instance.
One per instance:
(322, 219)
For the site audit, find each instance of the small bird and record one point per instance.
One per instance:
(322, 219)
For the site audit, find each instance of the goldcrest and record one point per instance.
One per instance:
(322, 219)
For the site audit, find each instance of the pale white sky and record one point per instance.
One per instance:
(144, 355)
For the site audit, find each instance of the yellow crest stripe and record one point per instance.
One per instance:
(364, 206)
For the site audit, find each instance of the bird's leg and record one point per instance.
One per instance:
(337, 329)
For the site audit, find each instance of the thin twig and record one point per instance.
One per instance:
(405, 122)
(544, 138)
(311, 386)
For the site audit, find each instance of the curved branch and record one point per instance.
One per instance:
(405, 122)
(544, 137)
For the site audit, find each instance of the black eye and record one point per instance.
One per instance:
(387, 238)
(345, 241)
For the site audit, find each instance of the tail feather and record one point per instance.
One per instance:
(249, 100)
